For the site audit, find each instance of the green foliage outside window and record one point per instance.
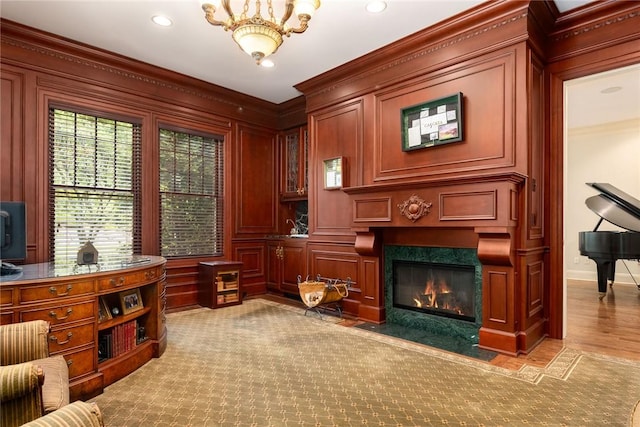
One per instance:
(191, 190)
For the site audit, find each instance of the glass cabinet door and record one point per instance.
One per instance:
(294, 164)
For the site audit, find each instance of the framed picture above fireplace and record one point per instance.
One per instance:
(432, 123)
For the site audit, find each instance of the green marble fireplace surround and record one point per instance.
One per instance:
(445, 327)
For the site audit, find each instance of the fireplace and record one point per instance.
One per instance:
(438, 290)
(434, 288)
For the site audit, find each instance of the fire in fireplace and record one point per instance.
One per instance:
(434, 288)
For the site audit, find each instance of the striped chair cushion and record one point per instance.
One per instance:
(22, 342)
(20, 394)
(55, 390)
(76, 414)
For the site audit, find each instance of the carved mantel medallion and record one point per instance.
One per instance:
(415, 208)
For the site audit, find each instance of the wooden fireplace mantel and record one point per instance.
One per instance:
(484, 201)
(487, 206)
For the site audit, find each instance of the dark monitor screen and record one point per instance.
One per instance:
(13, 231)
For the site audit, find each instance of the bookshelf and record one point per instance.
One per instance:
(219, 284)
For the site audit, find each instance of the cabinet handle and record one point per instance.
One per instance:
(118, 282)
(69, 362)
(55, 315)
(53, 290)
(54, 338)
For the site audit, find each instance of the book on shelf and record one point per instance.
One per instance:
(118, 340)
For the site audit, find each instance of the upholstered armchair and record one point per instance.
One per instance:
(32, 383)
(76, 414)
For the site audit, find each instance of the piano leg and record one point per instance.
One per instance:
(606, 269)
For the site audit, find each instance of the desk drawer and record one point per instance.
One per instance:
(70, 337)
(80, 362)
(56, 290)
(119, 281)
(6, 297)
(60, 314)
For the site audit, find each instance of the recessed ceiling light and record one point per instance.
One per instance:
(611, 89)
(376, 6)
(163, 21)
(267, 63)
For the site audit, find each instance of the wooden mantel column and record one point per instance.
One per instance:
(368, 246)
(499, 331)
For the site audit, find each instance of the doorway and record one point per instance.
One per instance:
(601, 133)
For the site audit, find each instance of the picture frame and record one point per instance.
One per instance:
(334, 173)
(131, 301)
(433, 123)
(103, 310)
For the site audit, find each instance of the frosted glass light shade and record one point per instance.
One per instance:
(258, 41)
(306, 7)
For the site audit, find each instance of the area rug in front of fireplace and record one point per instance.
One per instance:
(264, 364)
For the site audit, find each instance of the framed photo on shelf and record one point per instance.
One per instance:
(131, 301)
(103, 310)
(432, 123)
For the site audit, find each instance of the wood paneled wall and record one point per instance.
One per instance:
(497, 187)
(508, 58)
(39, 70)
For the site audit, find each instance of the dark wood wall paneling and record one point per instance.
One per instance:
(39, 70)
(497, 189)
(508, 58)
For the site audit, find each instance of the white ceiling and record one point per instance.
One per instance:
(340, 31)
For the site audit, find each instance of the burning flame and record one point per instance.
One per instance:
(437, 294)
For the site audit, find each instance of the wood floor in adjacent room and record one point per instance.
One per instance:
(610, 326)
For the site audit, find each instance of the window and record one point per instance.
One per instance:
(94, 166)
(191, 194)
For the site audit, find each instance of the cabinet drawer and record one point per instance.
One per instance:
(123, 280)
(61, 314)
(70, 337)
(58, 290)
(6, 297)
(80, 362)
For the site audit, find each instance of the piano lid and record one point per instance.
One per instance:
(616, 206)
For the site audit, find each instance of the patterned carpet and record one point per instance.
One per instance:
(266, 364)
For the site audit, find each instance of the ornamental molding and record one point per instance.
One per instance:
(575, 32)
(415, 208)
(430, 49)
(120, 72)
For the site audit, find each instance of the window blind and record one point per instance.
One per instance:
(94, 196)
(191, 194)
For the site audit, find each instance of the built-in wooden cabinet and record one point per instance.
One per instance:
(219, 284)
(106, 320)
(286, 260)
(294, 154)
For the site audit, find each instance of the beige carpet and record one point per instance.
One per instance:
(265, 364)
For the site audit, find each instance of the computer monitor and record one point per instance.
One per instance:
(13, 231)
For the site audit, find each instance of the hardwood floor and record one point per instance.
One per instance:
(610, 326)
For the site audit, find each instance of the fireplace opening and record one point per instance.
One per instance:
(434, 288)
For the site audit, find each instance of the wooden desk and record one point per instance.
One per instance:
(69, 298)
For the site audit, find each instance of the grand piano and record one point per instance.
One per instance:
(606, 247)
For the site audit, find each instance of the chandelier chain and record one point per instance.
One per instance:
(270, 9)
(246, 9)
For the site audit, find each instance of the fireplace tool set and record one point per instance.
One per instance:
(323, 292)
